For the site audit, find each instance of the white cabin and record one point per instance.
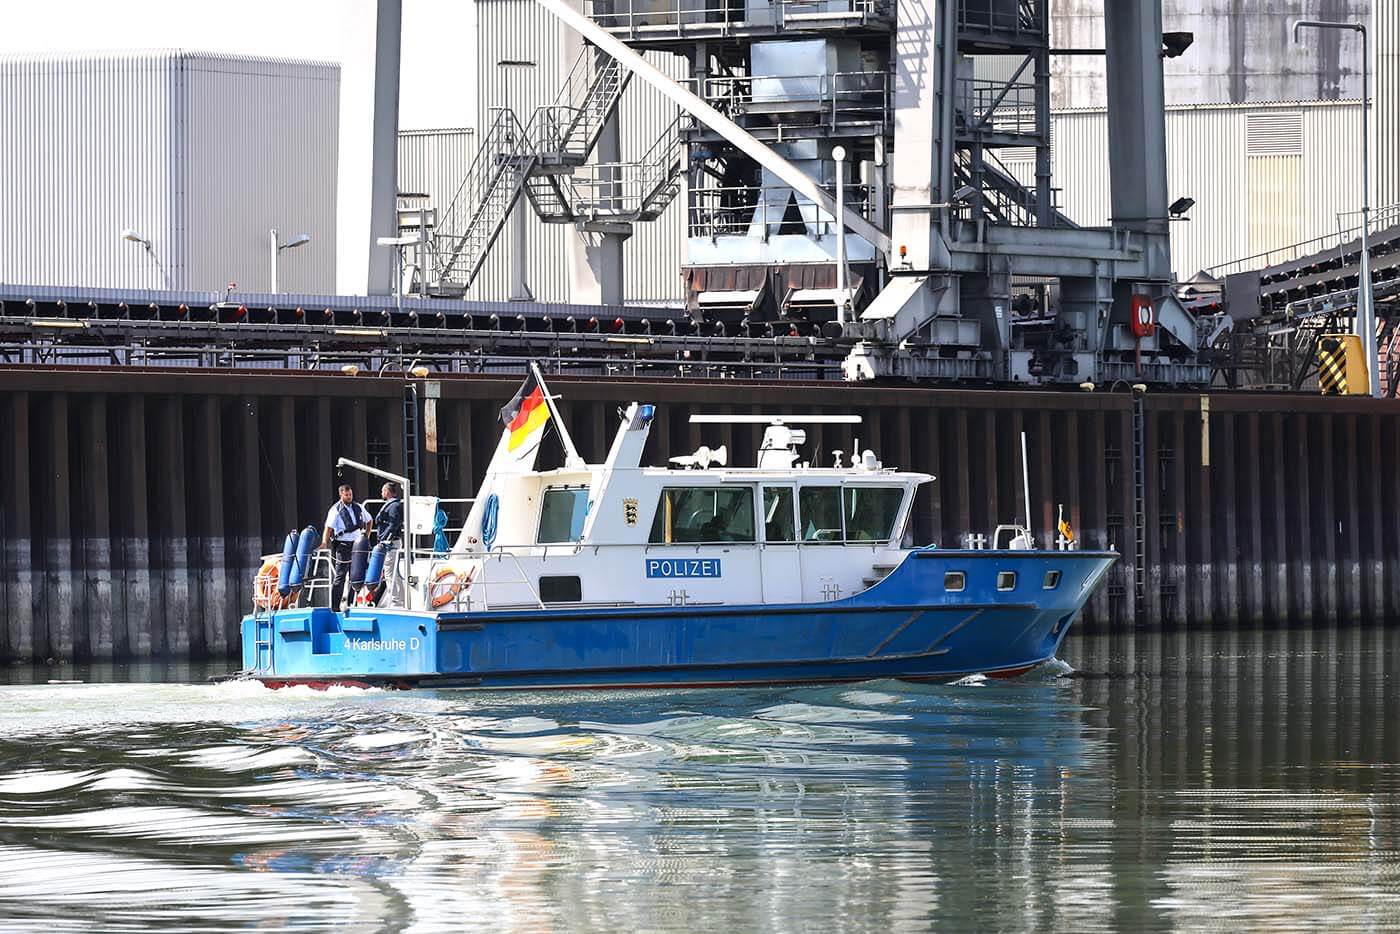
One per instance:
(620, 534)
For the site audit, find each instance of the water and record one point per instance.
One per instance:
(1221, 781)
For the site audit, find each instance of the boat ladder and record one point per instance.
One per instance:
(262, 639)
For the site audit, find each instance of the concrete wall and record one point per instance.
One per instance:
(135, 504)
(1243, 52)
(201, 154)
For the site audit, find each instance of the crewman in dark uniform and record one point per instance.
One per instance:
(343, 522)
(388, 525)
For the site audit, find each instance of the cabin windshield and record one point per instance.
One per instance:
(689, 515)
(870, 512)
(561, 515)
(849, 513)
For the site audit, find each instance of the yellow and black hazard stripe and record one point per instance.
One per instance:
(1332, 366)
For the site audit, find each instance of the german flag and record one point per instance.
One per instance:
(526, 413)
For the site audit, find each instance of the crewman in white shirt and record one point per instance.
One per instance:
(343, 522)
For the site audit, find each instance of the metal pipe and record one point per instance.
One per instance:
(839, 154)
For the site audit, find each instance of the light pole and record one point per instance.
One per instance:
(399, 243)
(842, 299)
(273, 248)
(1365, 300)
(131, 235)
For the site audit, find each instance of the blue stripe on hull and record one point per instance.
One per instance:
(905, 627)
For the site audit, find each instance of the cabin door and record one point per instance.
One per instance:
(779, 555)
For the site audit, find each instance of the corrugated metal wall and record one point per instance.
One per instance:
(1386, 103)
(261, 138)
(433, 162)
(88, 150)
(523, 31)
(201, 154)
(1207, 159)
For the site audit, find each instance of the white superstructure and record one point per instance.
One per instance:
(697, 533)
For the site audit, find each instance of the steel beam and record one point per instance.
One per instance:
(93, 602)
(736, 135)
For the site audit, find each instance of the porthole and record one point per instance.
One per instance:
(1006, 580)
(1052, 580)
(954, 580)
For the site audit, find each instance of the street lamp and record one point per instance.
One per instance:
(1365, 300)
(398, 243)
(134, 237)
(273, 248)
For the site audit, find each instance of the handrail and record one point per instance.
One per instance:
(1387, 214)
(688, 13)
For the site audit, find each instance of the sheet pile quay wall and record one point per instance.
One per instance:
(134, 504)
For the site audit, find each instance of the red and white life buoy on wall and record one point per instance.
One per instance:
(1144, 320)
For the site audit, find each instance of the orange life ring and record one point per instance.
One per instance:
(441, 592)
(265, 595)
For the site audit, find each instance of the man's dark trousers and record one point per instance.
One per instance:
(340, 554)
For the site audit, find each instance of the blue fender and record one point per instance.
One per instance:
(359, 558)
(374, 572)
(284, 571)
(305, 545)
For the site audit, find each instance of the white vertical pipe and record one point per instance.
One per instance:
(842, 299)
(1026, 483)
(272, 256)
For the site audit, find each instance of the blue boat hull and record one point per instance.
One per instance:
(907, 626)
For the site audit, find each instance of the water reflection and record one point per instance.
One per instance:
(1180, 782)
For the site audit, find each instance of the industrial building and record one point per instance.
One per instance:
(168, 170)
(1256, 129)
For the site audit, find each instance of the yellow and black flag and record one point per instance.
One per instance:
(1066, 530)
(526, 414)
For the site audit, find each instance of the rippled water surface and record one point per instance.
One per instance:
(1217, 781)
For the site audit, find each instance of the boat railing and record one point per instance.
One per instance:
(320, 573)
(459, 566)
(451, 531)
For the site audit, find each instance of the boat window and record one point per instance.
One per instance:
(871, 511)
(954, 580)
(779, 523)
(821, 513)
(703, 514)
(1052, 580)
(1006, 580)
(561, 589)
(561, 515)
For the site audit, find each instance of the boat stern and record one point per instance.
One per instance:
(314, 644)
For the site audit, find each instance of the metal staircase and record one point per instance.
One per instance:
(513, 157)
(567, 129)
(479, 210)
(604, 195)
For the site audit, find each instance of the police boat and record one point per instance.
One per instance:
(696, 573)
